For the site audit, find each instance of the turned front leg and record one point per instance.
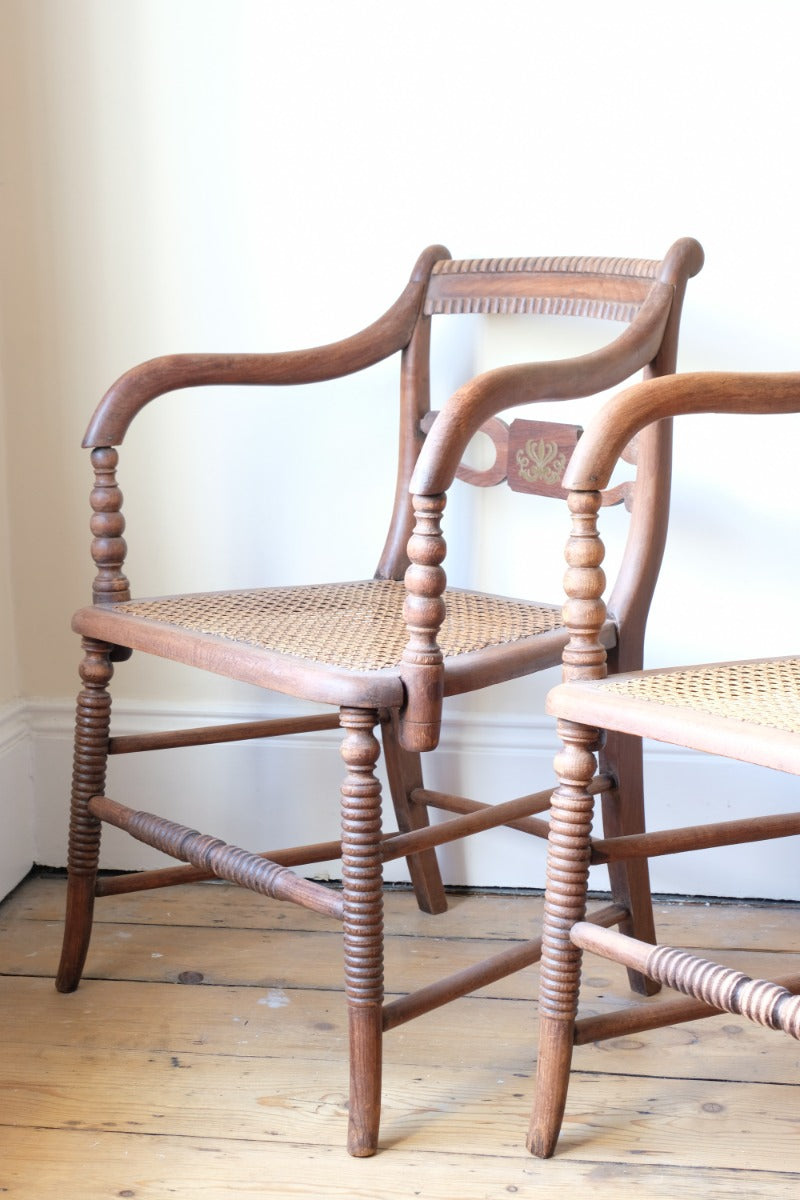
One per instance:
(363, 925)
(92, 720)
(570, 828)
(565, 903)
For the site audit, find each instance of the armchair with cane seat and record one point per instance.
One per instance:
(748, 711)
(385, 652)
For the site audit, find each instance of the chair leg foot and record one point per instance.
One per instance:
(92, 721)
(77, 932)
(365, 1080)
(362, 886)
(552, 1081)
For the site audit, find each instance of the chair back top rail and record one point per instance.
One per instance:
(609, 288)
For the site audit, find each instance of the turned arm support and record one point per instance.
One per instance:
(137, 387)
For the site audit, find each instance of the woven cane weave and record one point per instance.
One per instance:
(358, 626)
(762, 693)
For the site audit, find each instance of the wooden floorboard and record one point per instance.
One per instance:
(140, 1086)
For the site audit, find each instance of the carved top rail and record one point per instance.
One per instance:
(612, 289)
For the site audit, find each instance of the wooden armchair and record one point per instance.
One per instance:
(382, 652)
(749, 711)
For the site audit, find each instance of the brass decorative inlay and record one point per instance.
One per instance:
(541, 462)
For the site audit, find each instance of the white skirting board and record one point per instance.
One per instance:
(263, 795)
(17, 846)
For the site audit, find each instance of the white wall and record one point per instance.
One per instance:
(10, 267)
(17, 845)
(8, 655)
(208, 174)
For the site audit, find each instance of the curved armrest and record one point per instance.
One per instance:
(144, 383)
(631, 410)
(507, 387)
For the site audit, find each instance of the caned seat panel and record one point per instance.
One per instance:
(354, 625)
(749, 710)
(356, 628)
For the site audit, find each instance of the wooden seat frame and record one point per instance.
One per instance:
(660, 704)
(404, 700)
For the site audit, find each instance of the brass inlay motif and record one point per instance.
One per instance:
(541, 462)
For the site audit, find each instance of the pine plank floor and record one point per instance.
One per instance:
(141, 1086)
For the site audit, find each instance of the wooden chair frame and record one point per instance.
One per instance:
(587, 705)
(404, 699)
